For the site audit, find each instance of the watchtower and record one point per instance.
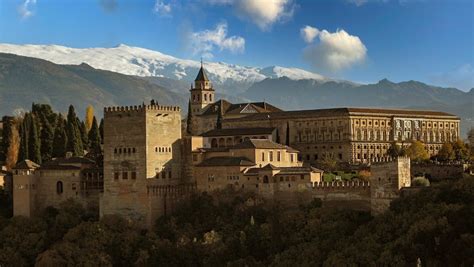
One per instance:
(141, 148)
(386, 180)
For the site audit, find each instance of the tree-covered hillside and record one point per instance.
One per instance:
(434, 227)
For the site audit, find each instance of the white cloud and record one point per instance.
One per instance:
(25, 9)
(335, 51)
(205, 42)
(308, 33)
(162, 8)
(264, 13)
(461, 78)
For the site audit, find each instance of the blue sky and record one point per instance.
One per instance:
(358, 40)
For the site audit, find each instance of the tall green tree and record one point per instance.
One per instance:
(189, 119)
(6, 136)
(94, 137)
(287, 137)
(46, 119)
(461, 151)
(101, 130)
(24, 136)
(60, 138)
(34, 143)
(73, 131)
(84, 136)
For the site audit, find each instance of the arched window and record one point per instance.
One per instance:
(59, 187)
(265, 179)
(214, 142)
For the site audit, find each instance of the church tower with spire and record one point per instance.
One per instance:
(202, 94)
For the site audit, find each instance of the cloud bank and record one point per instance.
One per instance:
(335, 51)
(205, 42)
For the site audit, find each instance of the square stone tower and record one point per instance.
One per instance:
(386, 180)
(142, 148)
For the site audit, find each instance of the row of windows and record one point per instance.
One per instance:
(322, 123)
(197, 97)
(125, 175)
(372, 146)
(376, 123)
(125, 150)
(278, 156)
(164, 149)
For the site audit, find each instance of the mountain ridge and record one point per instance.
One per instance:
(136, 61)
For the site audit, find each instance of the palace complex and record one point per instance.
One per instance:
(151, 162)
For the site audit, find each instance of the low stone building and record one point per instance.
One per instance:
(249, 164)
(36, 187)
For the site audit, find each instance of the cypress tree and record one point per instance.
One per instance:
(6, 136)
(277, 136)
(60, 138)
(84, 137)
(287, 134)
(189, 120)
(24, 130)
(34, 143)
(101, 130)
(46, 119)
(74, 133)
(219, 117)
(94, 137)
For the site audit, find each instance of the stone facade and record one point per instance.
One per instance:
(355, 135)
(142, 156)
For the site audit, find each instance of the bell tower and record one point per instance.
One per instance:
(202, 94)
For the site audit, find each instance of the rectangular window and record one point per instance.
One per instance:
(134, 175)
(125, 175)
(271, 155)
(263, 156)
(116, 175)
(292, 157)
(278, 156)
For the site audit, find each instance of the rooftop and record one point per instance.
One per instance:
(346, 111)
(262, 144)
(239, 108)
(26, 165)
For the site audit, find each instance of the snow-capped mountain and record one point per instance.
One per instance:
(231, 79)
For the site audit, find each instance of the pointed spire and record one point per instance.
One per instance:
(202, 76)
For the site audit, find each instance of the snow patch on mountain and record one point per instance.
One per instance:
(144, 62)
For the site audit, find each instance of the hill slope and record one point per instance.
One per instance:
(25, 80)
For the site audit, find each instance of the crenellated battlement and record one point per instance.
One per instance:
(341, 185)
(117, 109)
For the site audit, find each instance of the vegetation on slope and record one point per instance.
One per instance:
(434, 227)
